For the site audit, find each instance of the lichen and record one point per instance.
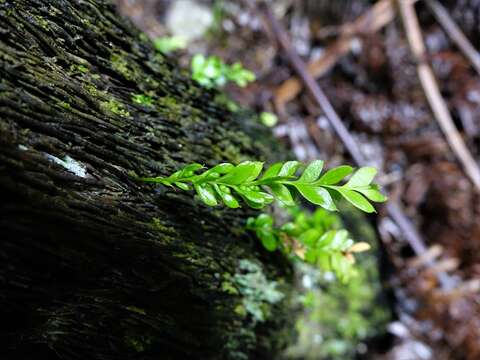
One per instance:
(70, 164)
(258, 293)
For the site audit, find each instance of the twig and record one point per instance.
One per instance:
(373, 20)
(454, 32)
(432, 92)
(394, 210)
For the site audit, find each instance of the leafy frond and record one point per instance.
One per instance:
(231, 184)
(212, 71)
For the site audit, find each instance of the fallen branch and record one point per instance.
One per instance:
(454, 33)
(432, 92)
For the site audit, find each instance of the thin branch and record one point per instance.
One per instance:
(432, 92)
(454, 33)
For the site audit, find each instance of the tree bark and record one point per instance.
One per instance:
(93, 264)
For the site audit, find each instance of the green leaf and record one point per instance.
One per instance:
(309, 237)
(222, 168)
(373, 194)
(310, 256)
(206, 193)
(326, 239)
(257, 196)
(175, 175)
(340, 265)
(339, 240)
(289, 168)
(289, 228)
(229, 200)
(254, 205)
(335, 175)
(198, 61)
(264, 220)
(258, 166)
(323, 261)
(356, 199)
(282, 193)
(182, 186)
(268, 119)
(251, 223)
(226, 197)
(268, 239)
(312, 172)
(362, 177)
(272, 171)
(242, 172)
(189, 170)
(317, 195)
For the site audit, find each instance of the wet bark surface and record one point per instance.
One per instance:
(93, 264)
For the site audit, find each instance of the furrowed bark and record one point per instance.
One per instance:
(93, 264)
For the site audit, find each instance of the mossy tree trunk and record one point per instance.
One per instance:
(94, 265)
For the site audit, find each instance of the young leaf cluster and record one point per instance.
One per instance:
(312, 238)
(213, 72)
(229, 184)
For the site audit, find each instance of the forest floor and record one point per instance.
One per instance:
(370, 76)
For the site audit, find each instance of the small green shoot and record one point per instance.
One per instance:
(227, 183)
(213, 72)
(167, 44)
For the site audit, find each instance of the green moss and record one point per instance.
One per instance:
(127, 69)
(169, 107)
(240, 310)
(41, 22)
(114, 107)
(142, 99)
(79, 68)
(91, 89)
(223, 100)
(157, 225)
(227, 151)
